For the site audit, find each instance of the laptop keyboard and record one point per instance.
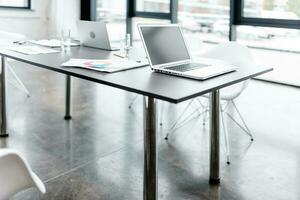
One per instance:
(187, 67)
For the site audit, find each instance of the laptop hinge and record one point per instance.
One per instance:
(175, 64)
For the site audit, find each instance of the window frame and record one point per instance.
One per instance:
(88, 11)
(239, 19)
(132, 12)
(28, 7)
(172, 15)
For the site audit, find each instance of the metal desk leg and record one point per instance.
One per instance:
(3, 132)
(68, 98)
(215, 138)
(150, 149)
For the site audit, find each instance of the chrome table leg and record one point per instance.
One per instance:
(68, 98)
(3, 99)
(215, 138)
(150, 149)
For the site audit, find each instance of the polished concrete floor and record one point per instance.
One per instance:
(99, 154)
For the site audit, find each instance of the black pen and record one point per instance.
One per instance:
(120, 56)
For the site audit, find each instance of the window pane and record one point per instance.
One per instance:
(153, 5)
(275, 47)
(269, 38)
(112, 12)
(204, 21)
(14, 3)
(273, 9)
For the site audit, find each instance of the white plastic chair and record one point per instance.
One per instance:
(239, 56)
(16, 175)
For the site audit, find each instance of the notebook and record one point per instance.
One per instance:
(105, 65)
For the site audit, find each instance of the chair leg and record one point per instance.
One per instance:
(205, 117)
(20, 85)
(244, 127)
(132, 102)
(226, 139)
(206, 110)
(162, 105)
(195, 114)
(178, 119)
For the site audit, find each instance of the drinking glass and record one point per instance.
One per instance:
(65, 39)
(127, 42)
(125, 45)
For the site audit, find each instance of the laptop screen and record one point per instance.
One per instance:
(165, 44)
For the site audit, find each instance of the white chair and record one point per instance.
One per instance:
(240, 56)
(237, 55)
(16, 175)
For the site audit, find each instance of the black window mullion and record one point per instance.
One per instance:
(280, 23)
(153, 15)
(29, 4)
(86, 10)
(174, 11)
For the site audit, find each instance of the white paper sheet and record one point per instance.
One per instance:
(32, 50)
(50, 43)
(105, 65)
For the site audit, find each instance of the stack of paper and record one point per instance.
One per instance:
(32, 50)
(50, 43)
(105, 65)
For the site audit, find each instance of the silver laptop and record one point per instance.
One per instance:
(94, 34)
(167, 53)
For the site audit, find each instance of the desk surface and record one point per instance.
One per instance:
(141, 80)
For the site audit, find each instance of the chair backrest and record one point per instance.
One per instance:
(237, 55)
(16, 175)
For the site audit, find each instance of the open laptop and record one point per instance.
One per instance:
(94, 34)
(167, 53)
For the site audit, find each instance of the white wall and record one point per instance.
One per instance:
(45, 20)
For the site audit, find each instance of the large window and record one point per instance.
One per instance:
(113, 13)
(273, 23)
(15, 4)
(283, 9)
(272, 28)
(204, 21)
(162, 6)
(267, 13)
(149, 11)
